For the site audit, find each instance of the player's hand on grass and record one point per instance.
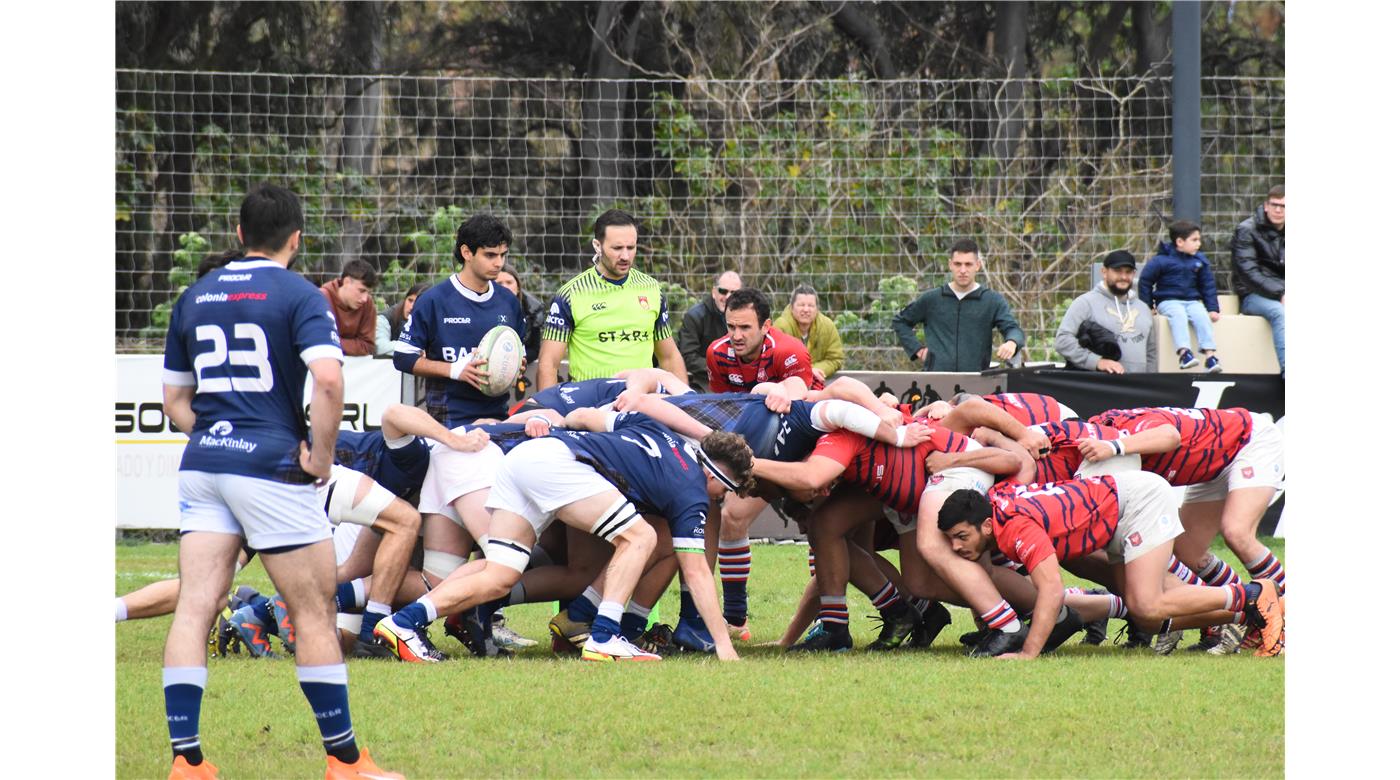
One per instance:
(726, 654)
(320, 468)
(1095, 450)
(1022, 656)
(471, 441)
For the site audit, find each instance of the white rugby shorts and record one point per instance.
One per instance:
(264, 512)
(1147, 516)
(1259, 463)
(452, 474)
(538, 477)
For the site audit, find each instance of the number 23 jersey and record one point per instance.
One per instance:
(243, 336)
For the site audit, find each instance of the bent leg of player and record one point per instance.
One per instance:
(736, 559)
(827, 529)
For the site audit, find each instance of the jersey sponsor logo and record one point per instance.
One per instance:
(599, 306)
(554, 321)
(736, 379)
(1247, 472)
(935, 479)
(230, 297)
(456, 321)
(790, 362)
(221, 428)
(554, 308)
(608, 336)
(235, 277)
(223, 442)
(503, 319)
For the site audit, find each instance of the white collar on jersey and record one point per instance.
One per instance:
(248, 265)
(471, 294)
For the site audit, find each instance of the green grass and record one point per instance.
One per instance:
(1086, 712)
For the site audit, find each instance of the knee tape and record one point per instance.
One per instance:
(340, 503)
(512, 555)
(616, 519)
(348, 622)
(440, 564)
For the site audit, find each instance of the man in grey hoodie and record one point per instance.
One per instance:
(1112, 305)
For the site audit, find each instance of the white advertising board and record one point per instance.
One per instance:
(148, 448)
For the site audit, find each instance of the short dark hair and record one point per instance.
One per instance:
(268, 217)
(217, 260)
(481, 230)
(611, 218)
(745, 297)
(731, 451)
(1275, 191)
(1181, 229)
(802, 289)
(963, 506)
(964, 245)
(362, 270)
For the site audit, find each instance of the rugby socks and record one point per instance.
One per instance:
(607, 623)
(688, 611)
(833, 615)
(121, 610)
(889, 601)
(634, 621)
(1183, 572)
(1002, 618)
(1234, 597)
(735, 561)
(1217, 573)
(416, 615)
(1268, 568)
(350, 596)
(811, 563)
(585, 607)
(1116, 607)
(328, 694)
(184, 690)
(374, 612)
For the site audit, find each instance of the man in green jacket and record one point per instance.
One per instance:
(817, 332)
(958, 319)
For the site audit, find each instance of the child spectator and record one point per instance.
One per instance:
(1179, 285)
(390, 324)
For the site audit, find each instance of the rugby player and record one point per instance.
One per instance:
(1133, 517)
(240, 344)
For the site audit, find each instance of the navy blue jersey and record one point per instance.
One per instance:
(578, 395)
(741, 413)
(400, 470)
(796, 435)
(243, 336)
(503, 435)
(653, 467)
(447, 322)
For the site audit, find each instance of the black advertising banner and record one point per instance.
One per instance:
(1089, 393)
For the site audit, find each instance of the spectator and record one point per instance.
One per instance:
(532, 307)
(389, 325)
(611, 317)
(1256, 257)
(1111, 305)
(702, 324)
(958, 319)
(816, 331)
(1179, 284)
(353, 306)
(752, 352)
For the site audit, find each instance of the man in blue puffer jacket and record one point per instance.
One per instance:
(1179, 285)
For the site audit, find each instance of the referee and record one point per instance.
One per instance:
(611, 317)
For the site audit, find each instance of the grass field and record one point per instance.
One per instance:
(1085, 712)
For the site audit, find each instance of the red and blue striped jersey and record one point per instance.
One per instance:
(1070, 519)
(1210, 439)
(1064, 457)
(780, 357)
(894, 475)
(1027, 408)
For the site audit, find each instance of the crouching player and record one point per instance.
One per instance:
(1130, 516)
(600, 483)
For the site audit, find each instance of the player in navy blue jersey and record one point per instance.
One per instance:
(449, 321)
(241, 342)
(598, 393)
(598, 482)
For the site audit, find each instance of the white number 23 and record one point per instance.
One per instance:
(220, 355)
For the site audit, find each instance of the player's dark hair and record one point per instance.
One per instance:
(1275, 191)
(963, 246)
(362, 270)
(730, 452)
(964, 506)
(217, 260)
(268, 217)
(1182, 229)
(746, 297)
(802, 289)
(479, 231)
(611, 218)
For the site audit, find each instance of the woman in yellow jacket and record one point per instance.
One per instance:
(816, 330)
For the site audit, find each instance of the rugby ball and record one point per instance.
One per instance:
(502, 349)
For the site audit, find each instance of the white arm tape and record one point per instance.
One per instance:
(609, 418)
(844, 414)
(460, 365)
(399, 443)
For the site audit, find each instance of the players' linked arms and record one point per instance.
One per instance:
(993, 460)
(400, 420)
(847, 389)
(671, 416)
(587, 419)
(990, 438)
(812, 474)
(537, 421)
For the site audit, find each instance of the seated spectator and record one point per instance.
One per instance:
(1256, 257)
(704, 323)
(816, 330)
(390, 324)
(1179, 284)
(353, 306)
(1130, 329)
(530, 306)
(958, 319)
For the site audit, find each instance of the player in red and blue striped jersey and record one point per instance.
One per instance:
(1231, 462)
(1131, 516)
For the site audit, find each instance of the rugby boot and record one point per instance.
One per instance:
(934, 620)
(364, 769)
(1067, 627)
(997, 643)
(692, 637)
(184, 770)
(252, 632)
(573, 632)
(1264, 611)
(897, 623)
(406, 643)
(826, 641)
(615, 649)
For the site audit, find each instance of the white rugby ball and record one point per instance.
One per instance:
(502, 349)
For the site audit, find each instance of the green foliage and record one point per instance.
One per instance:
(184, 267)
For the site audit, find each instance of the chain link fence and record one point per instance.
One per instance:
(857, 187)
